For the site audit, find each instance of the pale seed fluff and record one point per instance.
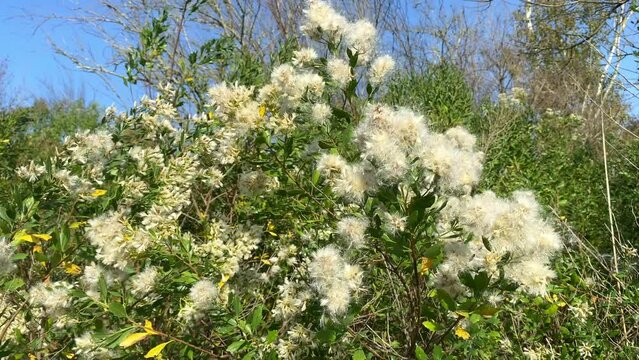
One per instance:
(252, 183)
(334, 280)
(361, 37)
(320, 113)
(393, 222)
(11, 317)
(353, 231)
(331, 165)
(304, 56)
(227, 99)
(144, 283)
(353, 183)
(203, 294)
(32, 172)
(310, 82)
(533, 275)
(291, 300)
(382, 149)
(512, 226)
(53, 297)
(459, 169)
(321, 19)
(380, 69)
(339, 71)
(336, 298)
(90, 279)
(461, 137)
(6, 254)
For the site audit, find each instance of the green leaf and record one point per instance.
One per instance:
(430, 325)
(359, 355)
(117, 309)
(271, 337)
(64, 238)
(341, 114)
(326, 335)
(19, 256)
(102, 285)
(250, 355)
(477, 283)
(475, 318)
(13, 284)
(4, 216)
(256, 318)
(438, 353)
(420, 354)
(325, 144)
(487, 310)
(236, 346)
(446, 299)
(316, 177)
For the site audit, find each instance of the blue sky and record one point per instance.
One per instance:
(36, 71)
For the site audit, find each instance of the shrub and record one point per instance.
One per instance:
(300, 220)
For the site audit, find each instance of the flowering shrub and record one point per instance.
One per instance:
(299, 220)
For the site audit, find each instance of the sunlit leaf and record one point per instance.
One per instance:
(462, 333)
(156, 350)
(98, 192)
(45, 237)
(148, 327)
(133, 339)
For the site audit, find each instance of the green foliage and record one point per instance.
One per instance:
(545, 152)
(441, 93)
(33, 133)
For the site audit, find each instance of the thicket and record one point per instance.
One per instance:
(289, 213)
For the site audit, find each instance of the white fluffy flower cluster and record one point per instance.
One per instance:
(352, 230)
(229, 245)
(89, 147)
(288, 87)
(6, 256)
(512, 227)
(323, 22)
(53, 297)
(115, 242)
(252, 183)
(291, 300)
(31, 172)
(390, 140)
(143, 283)
(90, 279)
(334, 279)
(380, 69)
(174, 193)
(11, 317)
(86, 347)
(202, 297)
(73, 184)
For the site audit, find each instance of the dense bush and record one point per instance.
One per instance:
(585, 314)
(31, 134)
(302, 219)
